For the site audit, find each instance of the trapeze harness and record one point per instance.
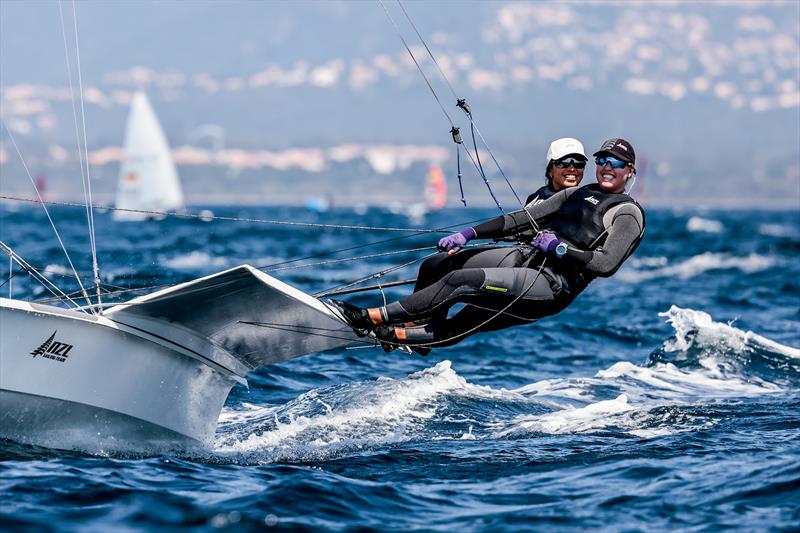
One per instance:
(487, 279)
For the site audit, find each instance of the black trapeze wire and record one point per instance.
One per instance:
(464, 106)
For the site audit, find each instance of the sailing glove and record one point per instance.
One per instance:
(546, 241)
(456, 241)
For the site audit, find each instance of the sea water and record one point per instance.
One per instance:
(664, 398)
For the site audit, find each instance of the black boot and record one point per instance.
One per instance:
(386, 337)
(422, 350)
(356, 317)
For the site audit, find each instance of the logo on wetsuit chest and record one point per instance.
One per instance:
(592, 200)
(53, 349)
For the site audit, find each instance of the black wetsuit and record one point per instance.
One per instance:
(542, 194)
(601, 229)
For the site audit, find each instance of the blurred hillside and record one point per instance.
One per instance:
(273, 101)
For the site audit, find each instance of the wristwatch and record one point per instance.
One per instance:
(561, 249)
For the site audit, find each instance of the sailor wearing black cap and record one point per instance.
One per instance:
(594, 229)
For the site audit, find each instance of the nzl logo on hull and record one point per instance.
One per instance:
(53, 349)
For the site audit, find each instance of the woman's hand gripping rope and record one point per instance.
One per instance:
(546, 241)
(453, 243)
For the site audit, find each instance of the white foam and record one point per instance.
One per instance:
(382, 411)
(593, 417)
(658, 261)
(646, 402)
(707, 225)
(777, 230)
(706, 331)
(57, 270)
(667, 381)
(193, 261)
(700, 264)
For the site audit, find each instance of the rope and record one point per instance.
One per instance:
(88, 186)
(375, 275)
(11, 275)
(447, 81)
(502, 311)
(84, 181)
(485, 322)
(462, 104)
(454, 130)
(228, 219)
(47, 212)
(414, 59)
(346, 259)
(38, 276)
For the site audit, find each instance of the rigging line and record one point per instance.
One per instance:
(231, 219)
(375, 275)
(454, 130)
(309, 330)
(345, 259)
(95, 266)
(46, 211)
(75, 120)
(38, 276)
(224, 282)
(116, 290)
(447, 81)
(373, 243)
(414, 59)
(164, 285)
(11, 275)
(306, 330)
(464, 107)
(490, 319)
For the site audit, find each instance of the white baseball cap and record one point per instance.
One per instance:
(564, 147)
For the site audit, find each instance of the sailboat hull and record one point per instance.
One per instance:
(71, 380)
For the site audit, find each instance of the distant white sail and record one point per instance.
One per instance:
(147, 177)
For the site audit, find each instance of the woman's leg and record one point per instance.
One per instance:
(436, 267)
(436, 298)
(507, 297)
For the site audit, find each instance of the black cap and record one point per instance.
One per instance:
(619, 148)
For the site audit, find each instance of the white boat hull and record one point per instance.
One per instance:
(154, 371)
(100, 384)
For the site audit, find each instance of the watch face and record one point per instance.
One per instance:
(561, 249)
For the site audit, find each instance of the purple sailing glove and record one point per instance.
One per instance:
(546, 241)
(456, 241)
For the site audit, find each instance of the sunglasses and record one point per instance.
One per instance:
(613, 161)
(570, 162)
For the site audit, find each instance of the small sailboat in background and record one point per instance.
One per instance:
(148, 180)
(435, 188)
(435, 195)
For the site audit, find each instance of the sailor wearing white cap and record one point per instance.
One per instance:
(566, 160)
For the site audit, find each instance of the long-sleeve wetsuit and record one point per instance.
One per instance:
(601, 229)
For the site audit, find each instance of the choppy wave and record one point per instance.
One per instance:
(704, 224)
(696, 265)
(705, 362)
(346, 417)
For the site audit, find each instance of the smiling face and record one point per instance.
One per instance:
(564, 178)
(613, 179)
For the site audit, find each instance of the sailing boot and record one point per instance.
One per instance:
(386, 337)
(422, 350)
(356, 317)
